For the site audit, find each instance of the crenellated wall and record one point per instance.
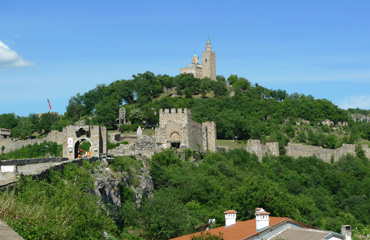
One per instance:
(177, 127)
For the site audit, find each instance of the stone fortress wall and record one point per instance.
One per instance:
(255, 146)
(357, 117)
(176, 128)
(12, 145)
(296, 150)
(96, 135)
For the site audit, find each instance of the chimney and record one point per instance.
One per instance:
(230, 218)
(262, 219)
(347, 231)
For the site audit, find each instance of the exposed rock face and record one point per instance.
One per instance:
(146, 186)
(107, 187)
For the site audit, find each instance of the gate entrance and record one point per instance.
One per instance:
(88, 138)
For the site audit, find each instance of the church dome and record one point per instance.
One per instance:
(195, 55)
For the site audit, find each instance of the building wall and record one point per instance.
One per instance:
(196, 71)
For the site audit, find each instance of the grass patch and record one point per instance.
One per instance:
(230, 143)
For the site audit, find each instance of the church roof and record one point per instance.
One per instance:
(195, 55)
(208, 40)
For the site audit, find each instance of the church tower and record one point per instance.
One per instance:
(209, 61)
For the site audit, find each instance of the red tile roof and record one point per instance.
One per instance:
(237, 231)
(230, 211)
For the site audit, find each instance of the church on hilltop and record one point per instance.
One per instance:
(205, 69)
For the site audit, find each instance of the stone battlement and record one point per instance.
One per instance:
(177, 129)
(179, 111)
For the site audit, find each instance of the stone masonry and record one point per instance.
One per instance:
(270, 148)
(299, 150)
(176, 129)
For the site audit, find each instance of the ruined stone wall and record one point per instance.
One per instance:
(360, 117)
(209, 136)
(296, 150)
(195, 136)
(367, 151)
(98, 139)
(255, 146)
(12, 145)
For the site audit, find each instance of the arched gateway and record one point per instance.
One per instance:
(74, 135)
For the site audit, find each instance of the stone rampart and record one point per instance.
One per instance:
(357, 117)
(12, 144)
(296, 150)
(299, 150)
(270, 148)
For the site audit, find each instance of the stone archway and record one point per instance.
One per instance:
(175, 140)
(97, 136)
(77, 147)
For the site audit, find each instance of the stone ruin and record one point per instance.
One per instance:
(296, 150)
(269, 149)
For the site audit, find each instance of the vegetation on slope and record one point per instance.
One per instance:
(60, 207)
(306, 189)
(187, 194)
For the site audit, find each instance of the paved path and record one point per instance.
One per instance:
(6, 233)
(38, 168)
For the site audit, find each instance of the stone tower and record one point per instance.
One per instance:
(209, 61)
(208, 66)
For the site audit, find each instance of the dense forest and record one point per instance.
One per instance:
(188, 193)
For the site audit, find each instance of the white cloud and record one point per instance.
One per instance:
(10, 58)
(362, 102)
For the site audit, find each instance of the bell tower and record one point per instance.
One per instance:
(209, 61)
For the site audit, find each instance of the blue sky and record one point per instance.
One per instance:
(57, 49)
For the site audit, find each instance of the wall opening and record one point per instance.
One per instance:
(175, 144)
(82, 148)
